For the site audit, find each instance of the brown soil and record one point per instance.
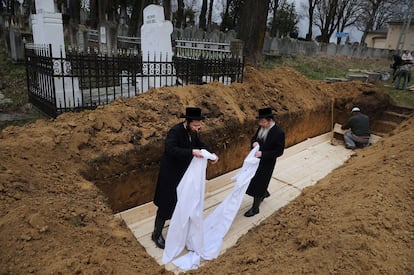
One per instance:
(61, 180)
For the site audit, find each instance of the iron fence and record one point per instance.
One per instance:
(76, 81)
(214, 50)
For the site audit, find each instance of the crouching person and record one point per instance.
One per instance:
(359, 133)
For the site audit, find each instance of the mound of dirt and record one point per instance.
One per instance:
(357, 220)
(55, 221)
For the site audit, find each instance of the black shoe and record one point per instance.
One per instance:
(159, 242)
(252, 211)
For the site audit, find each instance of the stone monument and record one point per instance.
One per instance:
(156, 34)
(156, 47)
(47, 28)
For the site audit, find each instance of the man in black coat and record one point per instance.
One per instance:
(271, 140)
(181, 145)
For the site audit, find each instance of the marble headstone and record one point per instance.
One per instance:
(156, 35)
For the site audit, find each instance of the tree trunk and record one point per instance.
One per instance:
(202, 18)
(180, 14)
(210, 14)
(136, 18)
(167, 9)
(253, 28)
(225, 17)
(74, 6)
(94, 13)
(311, 10)
(273, 31)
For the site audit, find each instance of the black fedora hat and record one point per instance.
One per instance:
(265, 113)
(193, 113)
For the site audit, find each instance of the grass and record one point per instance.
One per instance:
(13, 79)
(14, 88)
(320, 67)
(402, 98)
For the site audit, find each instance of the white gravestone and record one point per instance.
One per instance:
(156, 46)
(47, 28)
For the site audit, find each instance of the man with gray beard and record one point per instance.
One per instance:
(271, 140)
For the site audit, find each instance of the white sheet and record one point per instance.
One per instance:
(205, 239)
(187, 219)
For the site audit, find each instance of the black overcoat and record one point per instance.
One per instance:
(271, 148)
(175, 161)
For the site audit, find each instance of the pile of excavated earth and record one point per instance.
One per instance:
(62, 180)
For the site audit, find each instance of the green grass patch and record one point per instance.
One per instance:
(400, 97)
(13, 79)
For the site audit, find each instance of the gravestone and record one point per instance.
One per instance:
(187, 33)
(156, 46)
(176, 34)
(156, 35)
(47, 28)
(199, 34)
(108, 37)
(214, 36)
(230, 35)
(16, 45)
(82, 36)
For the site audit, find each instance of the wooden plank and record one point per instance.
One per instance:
(297, 148)
(338, 129)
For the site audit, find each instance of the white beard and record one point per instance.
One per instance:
(264, 131)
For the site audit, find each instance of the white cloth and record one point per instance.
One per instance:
(217, 224)
(187, 219)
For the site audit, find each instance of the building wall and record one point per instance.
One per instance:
(376, 40)
(394, 31)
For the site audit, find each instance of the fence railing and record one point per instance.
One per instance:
(123, 42)
(76, 81)
(185, 48)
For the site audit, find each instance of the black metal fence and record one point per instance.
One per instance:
(77, 81)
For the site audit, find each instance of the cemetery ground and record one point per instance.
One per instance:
(57, 217)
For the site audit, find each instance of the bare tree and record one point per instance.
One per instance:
(376, 13)
(74, 8)
(252, 28)
(180, 14)
(94, 13)
(226, 16)
(210, 14)
(325, 18)
(137, 16)
(284, 18)
(231, 16)
(310, 14)
(347, 15)
(202, 17)
(167, 9)
(273, 30)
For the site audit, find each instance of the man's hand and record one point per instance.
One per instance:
(197, 153)
(255, 144)
(258, 154)
(215, 161)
